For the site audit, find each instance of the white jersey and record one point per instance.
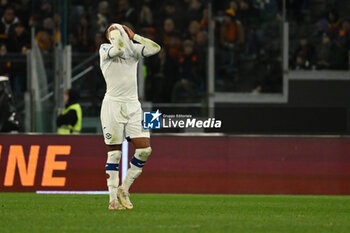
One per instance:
(120, 73)
(118, 62)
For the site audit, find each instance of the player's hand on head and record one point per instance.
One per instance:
(111, 28)
(130, 33)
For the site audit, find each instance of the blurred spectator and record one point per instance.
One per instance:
(126, 13)
(272, 79)
(46, 9)
(304, 55)
(22, 9)
(345, 30)
(8, 19)
(44, 40)
(188, 63)
(231, 32)
(341, 53)
(70, 120)
(194, 11)
(101, 20)
(73, 41)
(344, 38)
(171, 39)
(3, 49)
(168, 31)
(324, 53)
(334, 23)
(193, 29)
(51, 25)
(162, 73)
(99, 39)
(201, 47)
(204, 19)
(246, 13)
(231, 39)
(184, 92)
(5, 65)
(201, 41)
(170, 11)
(18, 42)
(45, 34)
(330, 24)
(233, 6)
(82, 37)
(18, 38)
(268, 8)
(145, 16)
(297, 9)
(3, 5)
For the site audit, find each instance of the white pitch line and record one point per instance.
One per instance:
(70, 192)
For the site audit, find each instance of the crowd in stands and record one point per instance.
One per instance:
(326, 45)
(247, 39)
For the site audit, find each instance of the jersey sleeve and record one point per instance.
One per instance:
(146, 47)
(138, 50)
(108, 51)
(104, 50)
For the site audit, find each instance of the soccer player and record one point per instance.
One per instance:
(121, 113)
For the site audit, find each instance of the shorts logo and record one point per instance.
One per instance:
(108, 136)
(151, 120)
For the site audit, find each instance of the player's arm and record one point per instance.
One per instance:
(148, 47)
(116, 48)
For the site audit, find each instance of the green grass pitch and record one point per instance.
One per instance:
(28, 212)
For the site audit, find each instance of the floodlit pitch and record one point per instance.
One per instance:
(28, 212)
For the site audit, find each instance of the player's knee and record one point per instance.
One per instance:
(140, 158)
(112, 167)
(143, 153)
(114, 156)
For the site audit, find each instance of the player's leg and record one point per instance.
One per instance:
(142, 152)
(112, 174)
(140, 139)
(113, 136)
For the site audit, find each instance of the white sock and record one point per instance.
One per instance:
(136, 164)
(132, 174)
(112, 173)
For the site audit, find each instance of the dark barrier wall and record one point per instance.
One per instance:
(182, 164)
(314, 107)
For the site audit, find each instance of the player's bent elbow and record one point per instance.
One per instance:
(158, 48)
(151, 51)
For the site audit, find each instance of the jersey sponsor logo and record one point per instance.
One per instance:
(104, 47)
(151, 120)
